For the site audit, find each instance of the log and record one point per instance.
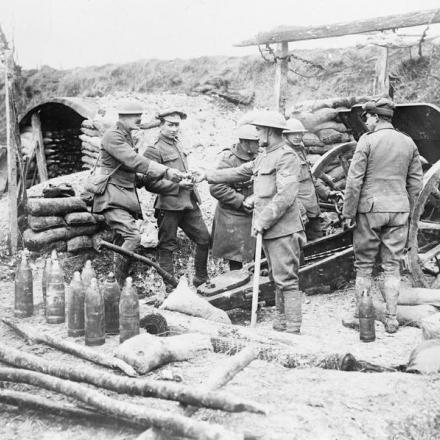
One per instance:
(223, 374)
(39, 224)
(406, 315)
(39, 146)
(48, 406)
(417, 296)
(142, 415)
(141, 387)
(146, 352)
(57, 206)
(81, 351)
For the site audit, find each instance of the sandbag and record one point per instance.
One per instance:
(185, 300)
(330, 136)
(411, 316)
(91, 132)
(338, 126)
(311, 120)
(38, 224)
(89, 161)
(78, 243)
(81, 218)
(57, 206)
(35, 241)
(425, 358)
(336, 174)
(312, 140)
(145, 352)
(431, 326)
(75, 231)
(319, 150)
(87, 123)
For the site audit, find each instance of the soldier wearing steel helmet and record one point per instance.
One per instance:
(276, 212)
(384, 180)
(119, 159)
(308, 187)
(177, 204)
(232, 225)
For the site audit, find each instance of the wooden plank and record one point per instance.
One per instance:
(301, 33)
(39, 147)
(281, 78)
(430, 254)
(381, 79)
(12, 154)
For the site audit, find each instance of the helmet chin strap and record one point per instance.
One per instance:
(265, 142)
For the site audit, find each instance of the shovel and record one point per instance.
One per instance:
(256, 283)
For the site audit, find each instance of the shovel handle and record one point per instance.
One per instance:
(256, 281)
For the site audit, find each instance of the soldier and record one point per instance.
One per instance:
(308, 187)
(276, 212)
(119, 203)
(232, 225)
(384, 179)
(177, 203)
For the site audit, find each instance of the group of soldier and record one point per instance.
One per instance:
(264, 185)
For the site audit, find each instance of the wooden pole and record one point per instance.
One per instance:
(381, 80)
(39, 146)
(256, 283)
(281, 77)
(12, 153)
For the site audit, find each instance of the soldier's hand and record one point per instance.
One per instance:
(348, 223)
(198, 175)
(248, 202)
(334, 195)
(174, 175)
(257, 227)
(186, 183)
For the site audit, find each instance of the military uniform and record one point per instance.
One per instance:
(177, 207)
(275, 173)
(119, 203)
(232, 225)
(384, 180)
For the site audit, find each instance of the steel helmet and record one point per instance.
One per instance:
(246, 118)
(130, 107)
(269, 118)
(294, 126)
(248, 132)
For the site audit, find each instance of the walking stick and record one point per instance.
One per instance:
(256, 284)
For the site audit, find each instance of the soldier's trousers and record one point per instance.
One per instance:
(124, 224)
(189, 220)
(283, 255)
(380, 233)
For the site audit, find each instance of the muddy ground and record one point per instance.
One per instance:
(302, 403)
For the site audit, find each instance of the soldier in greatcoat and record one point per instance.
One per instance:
(384, 180)
(232, 225)
(276, 212)
(177, 204)
(119, 204)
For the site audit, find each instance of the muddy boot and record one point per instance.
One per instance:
(121, 267)
(293, 310)
(165, 258)
(200, 263)
(391, 289)
(279, 322)
(352, 320)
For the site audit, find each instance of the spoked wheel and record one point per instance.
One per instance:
(424, 232)
(333, 166)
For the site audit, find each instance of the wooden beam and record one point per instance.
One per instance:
(381, 79)
(301, 33)
(11, 146)
(281, 77)
(39, 146)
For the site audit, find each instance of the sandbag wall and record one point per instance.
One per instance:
(62, 223)
(325, 131)
(90, 143)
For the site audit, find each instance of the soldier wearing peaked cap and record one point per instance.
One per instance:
(232, 225)
(120, 161)
(276, 212)
(384, 180)
(177, 203)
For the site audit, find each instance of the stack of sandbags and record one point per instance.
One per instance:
(63, 223)
(90, 143)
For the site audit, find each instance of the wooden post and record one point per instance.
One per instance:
(281, 77)
(381, 80)
(39, 146)
(11, 146)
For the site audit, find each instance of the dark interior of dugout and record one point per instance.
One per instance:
(61, 127)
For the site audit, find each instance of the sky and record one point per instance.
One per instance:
(73, 33)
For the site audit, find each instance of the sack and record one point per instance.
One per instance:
(96, 183)
(149, 234)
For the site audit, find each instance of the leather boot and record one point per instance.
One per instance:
(121, 268)
(391, 286)
(200, 265)
(165, 258)
(362, 283)
(293, 310)
(279, 322)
